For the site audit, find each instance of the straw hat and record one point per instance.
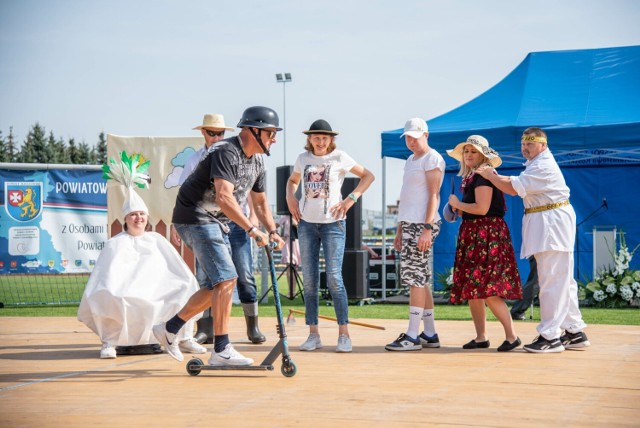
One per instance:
(215, 121)
(482, 145)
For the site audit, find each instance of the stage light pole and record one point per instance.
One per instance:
(284, 78)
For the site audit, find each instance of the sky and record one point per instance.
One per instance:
(154, 68)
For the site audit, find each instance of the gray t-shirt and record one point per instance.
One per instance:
(196, 200)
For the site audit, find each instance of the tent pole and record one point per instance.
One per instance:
(384, 228)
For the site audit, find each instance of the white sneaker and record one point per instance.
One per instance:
(344, 344)
(229, 357)
(108, 351)
(168, 340)
(190, 346)
(312, 343)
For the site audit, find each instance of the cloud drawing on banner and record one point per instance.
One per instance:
(181, 158)
(178, 161)
(173, 179)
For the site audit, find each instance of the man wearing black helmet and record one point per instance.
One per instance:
(207, 201)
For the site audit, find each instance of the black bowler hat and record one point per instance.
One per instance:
(320, 126)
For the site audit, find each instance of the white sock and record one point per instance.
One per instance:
(415, 314)
(429, 322)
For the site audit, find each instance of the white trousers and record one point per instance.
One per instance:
(558, 295)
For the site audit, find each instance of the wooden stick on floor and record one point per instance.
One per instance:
(362, 324)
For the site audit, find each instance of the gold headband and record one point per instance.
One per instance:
(534, 139)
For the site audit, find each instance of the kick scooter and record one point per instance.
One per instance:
(289, 368)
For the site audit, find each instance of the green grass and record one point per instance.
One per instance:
(66, 292)
(627, 316)
(20, 289)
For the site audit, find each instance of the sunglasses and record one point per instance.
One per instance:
(214, 133)
(270, 134)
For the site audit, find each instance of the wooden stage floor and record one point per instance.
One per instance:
(50, 375)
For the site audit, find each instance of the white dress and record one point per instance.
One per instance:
(137, 282)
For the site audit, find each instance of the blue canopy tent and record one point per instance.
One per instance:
(588, 102)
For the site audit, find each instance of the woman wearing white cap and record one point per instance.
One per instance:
(138, 280)
(485, 269)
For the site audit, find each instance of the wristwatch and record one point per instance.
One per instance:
(428, 226)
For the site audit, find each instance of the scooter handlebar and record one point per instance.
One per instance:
(272, 245)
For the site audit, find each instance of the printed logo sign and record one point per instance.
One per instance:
(23, 200)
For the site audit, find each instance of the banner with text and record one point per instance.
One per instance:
(52, 221)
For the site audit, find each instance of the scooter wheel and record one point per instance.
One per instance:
(289, 369)
(193, 366)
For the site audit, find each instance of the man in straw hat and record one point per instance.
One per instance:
(418, 226)
(210, 198)
(548, 234)
(213, 128)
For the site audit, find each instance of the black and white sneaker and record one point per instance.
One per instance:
(541, 345)
(404, 343)
(576, 341)
(429, 341)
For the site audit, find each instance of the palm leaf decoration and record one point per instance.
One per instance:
(129, 170)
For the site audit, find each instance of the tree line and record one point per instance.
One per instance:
(38, 147)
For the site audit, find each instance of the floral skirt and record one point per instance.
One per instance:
(485, 264)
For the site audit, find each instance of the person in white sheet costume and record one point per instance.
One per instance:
(138, 280)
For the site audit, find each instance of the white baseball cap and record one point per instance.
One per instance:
(415, 128)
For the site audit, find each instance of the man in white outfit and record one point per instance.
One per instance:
(548, 233)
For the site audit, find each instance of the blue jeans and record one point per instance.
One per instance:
(243, 261)
(332, 238)
(211, 248)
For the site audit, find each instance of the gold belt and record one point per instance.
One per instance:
(546, 207)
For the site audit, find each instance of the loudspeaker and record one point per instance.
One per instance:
(375, 275)
(354, 216)
(355, 274)
(282, 176)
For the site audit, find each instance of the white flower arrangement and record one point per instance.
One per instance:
(618, 285)
(445, 279)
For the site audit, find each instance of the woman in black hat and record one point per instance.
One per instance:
(320, 215)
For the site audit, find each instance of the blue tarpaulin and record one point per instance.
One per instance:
(588, 102)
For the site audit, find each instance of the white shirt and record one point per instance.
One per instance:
(414, 195)
(322, 178)
(192, 162)
(542, 183)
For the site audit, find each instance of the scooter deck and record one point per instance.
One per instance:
(196, 366)
(288, 369)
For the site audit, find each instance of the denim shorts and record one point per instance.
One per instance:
(211, 248)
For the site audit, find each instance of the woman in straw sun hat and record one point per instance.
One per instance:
(485, 268)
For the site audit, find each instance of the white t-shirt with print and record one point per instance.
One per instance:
(414, 193)
(322, 178)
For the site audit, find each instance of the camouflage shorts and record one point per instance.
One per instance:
(414, 264)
